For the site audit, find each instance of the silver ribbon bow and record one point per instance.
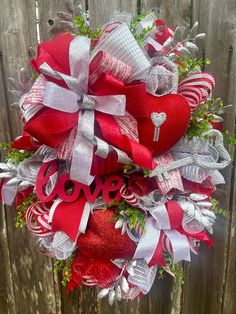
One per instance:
(159, 221)
(76, 99)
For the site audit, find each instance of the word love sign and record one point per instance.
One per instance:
(68, 190)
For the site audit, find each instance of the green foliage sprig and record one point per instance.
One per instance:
(203, 116)
(135, 216)
(22, 208)
(84, 29)
(131, 166)
(128, 167)
(187, 65)
(229, 139)
(218, 210)
(133, 28)
(175, 269)
(15, 156)
(64, 267)
(5, 147)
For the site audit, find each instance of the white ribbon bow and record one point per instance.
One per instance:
(159, 221)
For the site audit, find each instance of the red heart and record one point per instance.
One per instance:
(177, 112)
(102, 240)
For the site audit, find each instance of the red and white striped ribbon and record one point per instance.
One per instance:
(33, 102)
(105, 63)
(37, 220)
(196, 88)
(129, 196)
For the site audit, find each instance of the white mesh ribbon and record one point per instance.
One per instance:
(162, 78)
(8, 192)
(28, 169)
(32, 102)
(58, 245)
(206, 153)
(121, 44)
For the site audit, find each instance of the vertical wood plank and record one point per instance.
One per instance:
(172, 12)
(80, 300)
(203, 292)
(7, 298)
(101, 10)
(128, 6)
(84, 300)
(229, 298)
(18, 35)
(210, 285)
(32, 275)
(47, 11)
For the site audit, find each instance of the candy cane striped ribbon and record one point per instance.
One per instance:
(129, 196)
(196, 88)
(37, 220)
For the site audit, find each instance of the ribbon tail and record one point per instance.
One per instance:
(160, 214)
(147, 245)
(71, 218)
(180, 245)
(9, 193)
(144, 277)
(83, 152)
(79, 60)
(84, 218)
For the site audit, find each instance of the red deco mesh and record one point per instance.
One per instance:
(101, 273)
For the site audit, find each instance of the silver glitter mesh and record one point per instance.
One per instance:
(121, 44)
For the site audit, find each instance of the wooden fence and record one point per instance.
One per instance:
(27, 281)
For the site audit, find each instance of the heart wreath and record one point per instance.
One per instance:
(119, 156)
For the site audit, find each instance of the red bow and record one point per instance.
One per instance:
(52, 127)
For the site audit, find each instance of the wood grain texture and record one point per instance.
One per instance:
(32, 276)
(204, 289)
(101, 10)
(229, 298)
(47, 12)
(18, 35)
(7, 298)
(173, 12)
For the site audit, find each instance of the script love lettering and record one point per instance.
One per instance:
(68, 190)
